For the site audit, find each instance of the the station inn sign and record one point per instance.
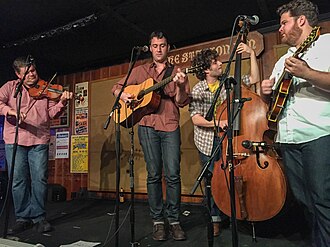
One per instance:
(183, 56)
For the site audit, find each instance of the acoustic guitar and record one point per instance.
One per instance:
(146, 99)
(282, 86)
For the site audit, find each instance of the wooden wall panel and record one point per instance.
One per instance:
(102, 162)
(325, 27)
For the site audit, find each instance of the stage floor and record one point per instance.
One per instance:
(93, 220)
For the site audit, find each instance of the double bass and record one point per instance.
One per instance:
(259, 181)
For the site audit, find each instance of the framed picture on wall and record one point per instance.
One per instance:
(280, 50)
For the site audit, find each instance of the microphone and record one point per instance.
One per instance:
(144, 48)
(242, 100)
(249, 144)
(253, 20)
(29, 59)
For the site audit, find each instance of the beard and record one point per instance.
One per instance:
(292, 36)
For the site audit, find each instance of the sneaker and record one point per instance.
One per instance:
(177, 232)
(20, 226)
(42, 226)
(159, 232)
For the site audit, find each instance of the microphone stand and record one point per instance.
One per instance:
(230, 165)
(131, 174)
(230, 158)
(116, 106)
(18, 92)
(207, 175)
(20, 84)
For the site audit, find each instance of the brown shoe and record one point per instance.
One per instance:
(42, 226)
(159, 233)
(177, 232)
(216, 229)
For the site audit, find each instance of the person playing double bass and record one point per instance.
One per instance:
(303, 127)
(205, 136)
(29, 187)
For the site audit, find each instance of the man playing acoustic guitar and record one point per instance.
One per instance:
(303, 124)
(159, 135)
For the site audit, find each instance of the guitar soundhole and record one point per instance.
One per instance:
(140, 95)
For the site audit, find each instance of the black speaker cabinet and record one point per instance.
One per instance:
(56, 193)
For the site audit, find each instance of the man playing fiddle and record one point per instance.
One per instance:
(29, 186)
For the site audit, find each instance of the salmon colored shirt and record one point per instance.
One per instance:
(35, 128)
(167, 116)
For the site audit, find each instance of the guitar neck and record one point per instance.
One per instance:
(159, 84)
(315, 33)
(285, 74)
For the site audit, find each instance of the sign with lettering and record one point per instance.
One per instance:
(183, 56)
(79, 154)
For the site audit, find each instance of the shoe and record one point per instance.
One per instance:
(42, 226)
(177, 232)
(159, 232)
(20, 226)
(216, 229)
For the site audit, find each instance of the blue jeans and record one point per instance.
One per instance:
(162, 153)
(307, 167)
(29, 181)
(217, 215)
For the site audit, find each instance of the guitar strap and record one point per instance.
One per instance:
(168, 71)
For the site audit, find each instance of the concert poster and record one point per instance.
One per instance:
(81, 95)
(62, 145)
(81, 121)
(79, 154)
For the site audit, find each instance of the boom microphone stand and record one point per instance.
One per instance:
(18, 93)
(205, 173)
(131, 175)
(208, 176)
(116, 106)
(230, 157)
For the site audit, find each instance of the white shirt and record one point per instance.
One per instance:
(306, 116)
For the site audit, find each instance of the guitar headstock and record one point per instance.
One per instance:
(314, 35)
(193, 69)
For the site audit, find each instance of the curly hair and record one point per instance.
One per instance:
(204, 59)
(297, 8)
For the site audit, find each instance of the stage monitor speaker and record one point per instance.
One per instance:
(56, 193)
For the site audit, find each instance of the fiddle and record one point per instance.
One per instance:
(43, 89)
